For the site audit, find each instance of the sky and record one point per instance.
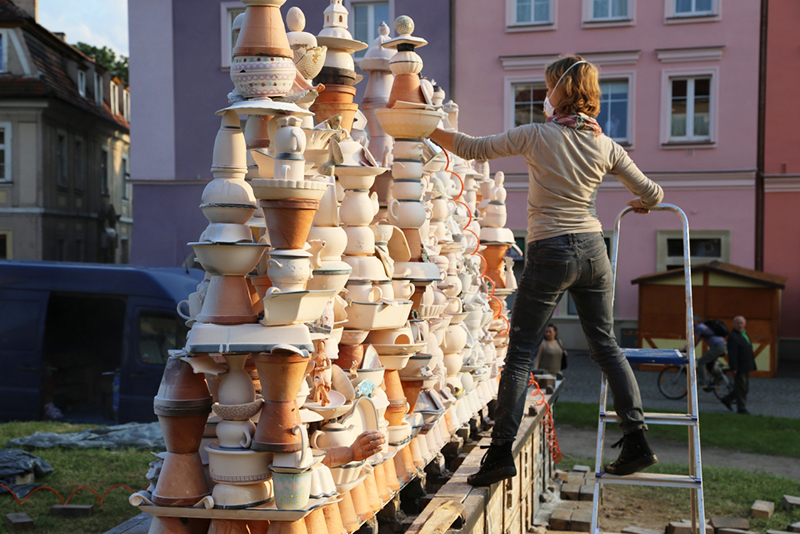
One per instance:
(95, 22)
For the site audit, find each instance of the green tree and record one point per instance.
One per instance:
(107, 58)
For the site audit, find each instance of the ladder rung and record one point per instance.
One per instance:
(660, 356)
(656, 418)
(650, 479)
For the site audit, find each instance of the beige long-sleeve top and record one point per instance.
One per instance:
(565, 168)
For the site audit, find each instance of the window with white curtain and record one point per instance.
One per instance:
(690, 108)
(615, 109)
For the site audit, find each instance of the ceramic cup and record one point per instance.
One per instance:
(408, 149)
(363, 291)
(407, 189)
(407, 168)
(403, 289)
(235, 434)
(387, 289)
(408, 213)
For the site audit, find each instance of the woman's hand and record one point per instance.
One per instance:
(638, 207)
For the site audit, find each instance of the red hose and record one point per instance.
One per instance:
(549, 428)
(100, 500)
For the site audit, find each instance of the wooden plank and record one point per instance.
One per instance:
(442, 518)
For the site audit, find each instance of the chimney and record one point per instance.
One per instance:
(30, 6)
(61, 35)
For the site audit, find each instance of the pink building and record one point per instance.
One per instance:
(680, 90)
(781, 164)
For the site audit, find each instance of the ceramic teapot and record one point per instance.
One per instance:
(328, 212)
(408, 213)
(359, 207)
(289, 272)
(333, 435)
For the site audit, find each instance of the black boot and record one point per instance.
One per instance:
(635, 455)
(496, 465)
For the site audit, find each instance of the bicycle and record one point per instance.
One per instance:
(672, 381)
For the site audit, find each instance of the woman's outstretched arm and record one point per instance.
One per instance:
(443, 138)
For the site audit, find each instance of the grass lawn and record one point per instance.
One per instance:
(728, 493)
(96, 468)
(773, 436)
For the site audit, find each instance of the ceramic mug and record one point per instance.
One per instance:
(235, 434)
(387, 289)
(407, 168)
(403, 289)
(408, 149)
(297, 459)
(408, 213)
(363, 291)
(407, 189)
(194, 306)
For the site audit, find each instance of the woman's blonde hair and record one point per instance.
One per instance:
(579, 89)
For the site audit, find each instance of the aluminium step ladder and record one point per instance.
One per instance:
(694, 481)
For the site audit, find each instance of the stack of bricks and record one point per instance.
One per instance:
(573, 512)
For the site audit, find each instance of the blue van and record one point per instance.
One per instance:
(88, 339)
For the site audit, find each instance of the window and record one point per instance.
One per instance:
(126, 177)
(62, 177)
(5, 151)
(98, 89)
(104, 171)
(2, 53)
(532, 12)
(6, 252)
(614, 106)
(528, 102)
(126, 104)
(693, 7)
(114, 97)
(79, 165)
(365, 19)
(609, 9)
(690, 113)
(158, 334)
(704, 246)
(228, 13)
(82, 83)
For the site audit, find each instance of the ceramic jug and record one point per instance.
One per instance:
(358, 207)
(333, 435)
(408, 213)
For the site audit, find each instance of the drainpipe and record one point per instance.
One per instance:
(452, 93)
(760, 163)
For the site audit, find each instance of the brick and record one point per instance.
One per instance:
(567, 505)
(794, 527)
(560, 519)
(18, 521)
(777, 532)
(581, 521)
(581, 469)
(640, 530)
(737, 523)
(762, 509)
(587, 492)
(72, 510)
(561, 475)
(571, 492)
(790, 502)
(679, 527)
(734, 531)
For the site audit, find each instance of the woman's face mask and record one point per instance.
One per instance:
(549, 108)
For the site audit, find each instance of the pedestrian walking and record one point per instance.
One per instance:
(741, 360)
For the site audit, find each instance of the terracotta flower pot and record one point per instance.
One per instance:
(400, 468)
(394, 414)
(349, 354)
(227, 302)
(325, 110)
(391, 475)
(228, 526)
(168, 525)
(182, 481)
(373, 496)
(416, 455)
(262, 33)
(182, 435)
(258, 527)
(347, 511)
(408, 460)
(384, 492)
(274, 429)
(361, 502)
(495, 256)
(288, 221)
(394, 388)
(412, 389)
(333, 519)
(337, 93)
(406, 88)
(280, 374)
(315, 522)
(180, 383)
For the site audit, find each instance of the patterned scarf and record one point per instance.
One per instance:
(579, 121)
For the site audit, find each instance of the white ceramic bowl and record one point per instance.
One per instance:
(353, 337)
(275, 189)
(408, 123)
(230, 497)
(229, 259)
(415, 363)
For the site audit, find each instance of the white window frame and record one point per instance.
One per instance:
(589, 21)
(105, 181)
(667, 141)
(98, 89)
(672, 17)
(350, 5)
(82, 83)
(113, 90)
(125, 171)
(79, 154)
(9, 234)
(512, 25)
(226, 33)
(126, 104)
(6, 146)
(62, 157)
(508, 95)
(628, 76)
(661, 246)
(4, 42)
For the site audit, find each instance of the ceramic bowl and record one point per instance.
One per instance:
(237, 412)
(226, 233)
(347, 473)
(294, 307)
(352, 177)
(497, 235)
(415, 364)
(395, 336)
(373, 375)
(329, 279)
(353, 337)
(230, 497)
(428, 311)
(399, 434)
(228, 213)
(377, 315)
(258, 76)
(366, 268)
(408, 123)
(394, 362)
(275, 189)
(229, 259)
(237, 466)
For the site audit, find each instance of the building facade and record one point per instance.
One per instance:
(680, 84)
(182, 78)
(64, 139)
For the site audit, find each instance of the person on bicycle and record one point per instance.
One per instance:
(567, 158)
(717, 348)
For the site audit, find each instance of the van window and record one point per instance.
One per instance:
(19, 327)
(158, 334)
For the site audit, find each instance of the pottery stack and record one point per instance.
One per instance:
(338, 72)
(376, 63)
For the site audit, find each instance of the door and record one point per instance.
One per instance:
(154, 328)
(22, 320)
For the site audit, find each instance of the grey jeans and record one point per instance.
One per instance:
(578, 263)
